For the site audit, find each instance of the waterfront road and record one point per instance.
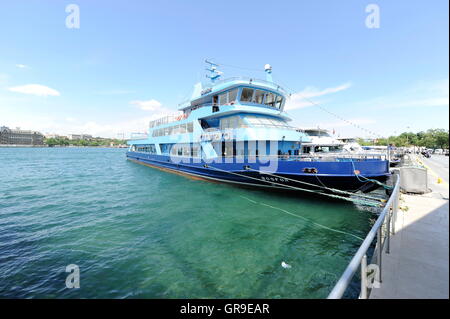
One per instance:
(438, 179)
(439, 164)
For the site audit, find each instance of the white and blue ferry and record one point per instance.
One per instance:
(236, 131)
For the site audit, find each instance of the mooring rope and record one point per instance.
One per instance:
(356, 201)
(321, 186)
(368, 179)
(303, 218)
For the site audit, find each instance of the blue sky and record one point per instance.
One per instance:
(131, 61)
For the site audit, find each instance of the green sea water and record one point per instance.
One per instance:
(138, 232)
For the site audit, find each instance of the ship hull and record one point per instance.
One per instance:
(289, 174)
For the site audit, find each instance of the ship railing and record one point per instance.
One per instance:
(165, 120)
(381, 231)
(328, 157)
(336, 156)
(212, 129)
(138, 135)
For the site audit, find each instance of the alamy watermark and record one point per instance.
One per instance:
(73, 279)
(73, 19)
(373, 19)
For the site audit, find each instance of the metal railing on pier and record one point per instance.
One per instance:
(371, 275)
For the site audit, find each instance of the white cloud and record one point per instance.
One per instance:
(297, 100)
(35, 89)
(21, 66)
(149, 105)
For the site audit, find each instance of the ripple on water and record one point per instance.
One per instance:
(139, 232)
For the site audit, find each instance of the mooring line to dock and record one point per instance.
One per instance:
(322, 186)
(303, 218)
(355, 201)
(358, 176)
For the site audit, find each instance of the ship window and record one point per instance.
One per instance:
(224, 123)
(270, 99)
(265, 121)
(215, 100)
(190, 127)
(279, 102)
(259, 97)
(223, 98)
(195, 151)
(232, 96)
(327, 149)
(246, 95)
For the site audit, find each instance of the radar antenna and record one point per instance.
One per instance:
(214, 73)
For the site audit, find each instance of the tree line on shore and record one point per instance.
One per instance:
(59, 141)
(432, 138)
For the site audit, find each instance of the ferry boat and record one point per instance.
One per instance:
(351, 144)
(237, 131)
(321, 142)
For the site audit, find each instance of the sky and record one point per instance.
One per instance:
(128, 62)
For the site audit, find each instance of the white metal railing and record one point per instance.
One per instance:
(325, 156)
(166, 120)
(137, 135)
(386, 220)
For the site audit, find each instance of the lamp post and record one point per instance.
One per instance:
(407, 141)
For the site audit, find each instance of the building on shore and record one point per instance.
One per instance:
(73, 137)
(20, 137)
(55, 136)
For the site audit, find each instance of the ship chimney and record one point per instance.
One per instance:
(268, 69)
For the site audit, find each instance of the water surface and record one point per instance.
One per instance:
(137, 232)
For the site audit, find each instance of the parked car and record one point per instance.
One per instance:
(426, 154)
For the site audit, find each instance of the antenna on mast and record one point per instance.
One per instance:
(214, 73)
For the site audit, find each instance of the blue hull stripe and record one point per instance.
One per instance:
(371, 169)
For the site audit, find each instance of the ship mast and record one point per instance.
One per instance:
(214, 73)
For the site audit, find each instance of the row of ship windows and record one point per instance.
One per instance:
(230, 122)
(149, 148)
(172, 149)
(252, 121)
(230, 148)
(249, 95)
(261, 97)
(172, 130)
